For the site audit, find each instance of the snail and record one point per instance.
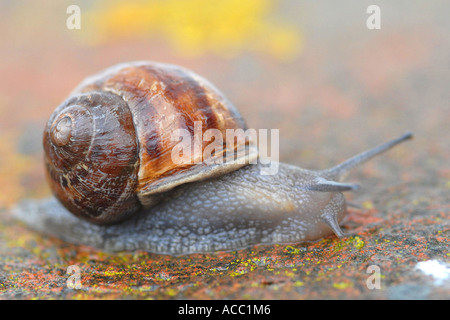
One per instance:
(109, 162)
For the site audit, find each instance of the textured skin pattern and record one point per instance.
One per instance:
(226, 213)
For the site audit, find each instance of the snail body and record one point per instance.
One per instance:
(108, 158)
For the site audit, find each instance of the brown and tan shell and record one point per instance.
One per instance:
(88, 154)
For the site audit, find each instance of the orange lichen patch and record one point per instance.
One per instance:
(336, 268)
(328, 99)
(334, 102)
(391, 57)
(362, 217)
(194, 27)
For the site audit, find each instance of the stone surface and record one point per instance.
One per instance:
(341, 90)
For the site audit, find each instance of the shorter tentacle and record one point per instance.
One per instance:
(331, 220)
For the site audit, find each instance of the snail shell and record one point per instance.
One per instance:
(108, 146)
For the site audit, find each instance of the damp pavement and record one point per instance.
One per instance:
(347, 89)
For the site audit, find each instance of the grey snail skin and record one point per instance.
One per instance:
(116, 189)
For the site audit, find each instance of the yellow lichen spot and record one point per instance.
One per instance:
(298, 284)
(13, 166)
(237, 273)
(358, 242)
(368, 205)
(291, 250)
(195, 27)
(289, 273)
(112, 273)
(342, 285)
(171, 292)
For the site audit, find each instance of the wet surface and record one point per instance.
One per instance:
(342, 90)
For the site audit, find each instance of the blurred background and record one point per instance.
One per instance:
(309, 68)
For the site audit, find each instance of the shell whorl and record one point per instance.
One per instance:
(163, 98)
(91, 157)
(109, 145)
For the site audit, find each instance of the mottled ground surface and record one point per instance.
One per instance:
(312, 70)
